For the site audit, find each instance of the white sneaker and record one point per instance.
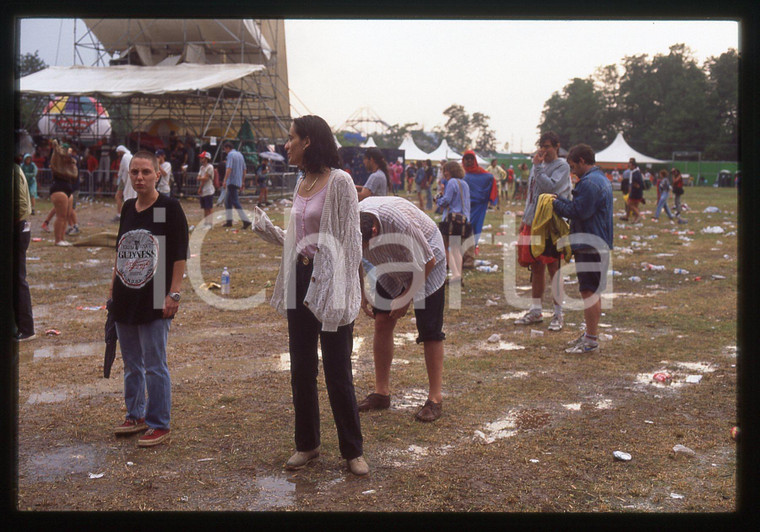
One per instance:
(62, 243)
(532, 316)
(583, 346)
(556, 323)
(574, 342)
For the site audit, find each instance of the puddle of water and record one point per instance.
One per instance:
(646, 379)
(50, 396)
(400, 339)
(274, 492)
(701, 367)
(515, 315)
(58, 394)
(502, 346)
(604, 404)
(69, 351)
(62, 462)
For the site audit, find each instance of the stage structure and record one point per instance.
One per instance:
(201, 77)
(366, 122)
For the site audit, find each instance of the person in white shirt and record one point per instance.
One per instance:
(164, 173)
(406, 248)
(124, 190)
(206, 187)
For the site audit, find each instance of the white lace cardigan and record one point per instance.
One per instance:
(334, 293)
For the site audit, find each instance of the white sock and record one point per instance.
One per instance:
(536, 306)
(558, 310)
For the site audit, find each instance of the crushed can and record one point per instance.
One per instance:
(662, 377)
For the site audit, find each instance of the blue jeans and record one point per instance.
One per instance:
(428, 199)
(663, 203)
(143, 350)
(231, 200)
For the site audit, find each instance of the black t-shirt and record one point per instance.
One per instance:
(148, 245)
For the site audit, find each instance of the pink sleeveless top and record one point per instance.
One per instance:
(308, 213)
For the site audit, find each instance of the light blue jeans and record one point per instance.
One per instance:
(663, 204)
(143, 350)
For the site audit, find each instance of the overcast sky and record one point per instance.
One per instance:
(411, 71)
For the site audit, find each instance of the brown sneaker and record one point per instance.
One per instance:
(375, 401)
(429, 412)
(153, 437)
(130, 426)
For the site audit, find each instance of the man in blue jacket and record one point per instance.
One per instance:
(590, 214)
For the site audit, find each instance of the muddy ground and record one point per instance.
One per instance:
(526, 427)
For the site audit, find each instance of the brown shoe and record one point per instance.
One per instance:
(358, 466)
(429, 412)
(375, 401)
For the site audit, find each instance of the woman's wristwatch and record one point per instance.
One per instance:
(175, 296)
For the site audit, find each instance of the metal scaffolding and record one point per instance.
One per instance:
(260, 99)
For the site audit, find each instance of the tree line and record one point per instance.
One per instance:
(665, 104)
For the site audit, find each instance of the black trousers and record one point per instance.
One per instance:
(304, 330)
(22, 298)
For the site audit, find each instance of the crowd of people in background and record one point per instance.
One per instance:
(328, 294)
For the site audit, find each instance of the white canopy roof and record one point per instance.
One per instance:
(370, 143)
(337, 142)
(173, 37)
(411, 151)
(123, 80)
(619, 152)
(444, 151)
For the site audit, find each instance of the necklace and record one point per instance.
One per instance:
(309, 187)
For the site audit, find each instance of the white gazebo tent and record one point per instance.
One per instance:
(619, 152)
(482, 162)
(444, 151)
(337, 142)
(370, 143)
(411, 151)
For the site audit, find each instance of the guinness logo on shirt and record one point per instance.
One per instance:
(137, 258)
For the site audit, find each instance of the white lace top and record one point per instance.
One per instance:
(334, 293)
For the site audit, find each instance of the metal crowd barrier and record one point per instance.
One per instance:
(104, 184)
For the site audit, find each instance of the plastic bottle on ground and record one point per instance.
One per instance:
(225, 282)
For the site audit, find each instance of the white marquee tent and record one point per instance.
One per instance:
(370, 143)
(444, 151)
(619, 152)
(412, 152)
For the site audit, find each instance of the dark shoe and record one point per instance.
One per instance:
(23, 337)
(301, 459)
(130, 426)
(375, 401)
(227, 224)
(246, 225)
(429, 412)
(153, 437)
